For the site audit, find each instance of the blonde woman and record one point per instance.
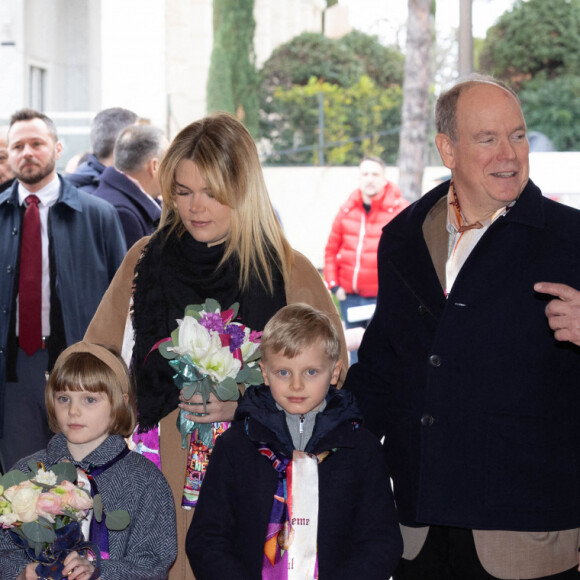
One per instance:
(218, 238)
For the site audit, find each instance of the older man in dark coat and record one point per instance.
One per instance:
(459, 369)
(132, 185)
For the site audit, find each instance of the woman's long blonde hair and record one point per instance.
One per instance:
(226, 156)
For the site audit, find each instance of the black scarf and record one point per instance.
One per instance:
(170, 275)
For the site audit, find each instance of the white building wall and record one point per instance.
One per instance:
(13, 85)
(133, 57)
(277, 21)
(189, 44)
(151, 56)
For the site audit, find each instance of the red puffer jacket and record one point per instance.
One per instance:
(350, 258)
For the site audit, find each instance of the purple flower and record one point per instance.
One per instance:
(237, 336)
(212, 321)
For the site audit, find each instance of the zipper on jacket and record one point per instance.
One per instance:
(301, 430)
(359, 249)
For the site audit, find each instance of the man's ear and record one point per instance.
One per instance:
(58, 148)
(152, 167)
(446, 150)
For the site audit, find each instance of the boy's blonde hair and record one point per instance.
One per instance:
(83, 371)
(226, 156)
(297, 327)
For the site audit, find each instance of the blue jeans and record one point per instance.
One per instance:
(351, 301)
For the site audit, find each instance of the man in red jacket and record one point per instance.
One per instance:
(350, 261)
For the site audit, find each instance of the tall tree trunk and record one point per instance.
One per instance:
(413, 144)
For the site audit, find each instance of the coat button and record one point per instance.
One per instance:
(427, 420)
(422, 309)
(14, 231)
(434, 360)
(9, 269)
(5, 310)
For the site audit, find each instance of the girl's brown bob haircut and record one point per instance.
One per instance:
(82, 371)
(295, 328)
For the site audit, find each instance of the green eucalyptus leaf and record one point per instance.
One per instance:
(117, 520)
(227, 390)
(65, 472)
(33, 466)
(13, 477)
(189, 389)
(98, 507)
(37, 546)
(255, 357)
(255, 377)
(60, 523)
(164, 352)
(194, 311)
(242, 374)
(36, 532)
(212, 305)
(175, 336)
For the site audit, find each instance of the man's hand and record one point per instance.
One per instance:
(563, 312)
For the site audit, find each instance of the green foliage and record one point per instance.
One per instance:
(534, 48)
(362, 111)
(553, 107)
(360, 80)
(535, 36)
(233, 80)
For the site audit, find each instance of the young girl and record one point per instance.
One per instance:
(90, 405)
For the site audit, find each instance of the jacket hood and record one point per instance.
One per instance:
(266, 423)
(87, 173)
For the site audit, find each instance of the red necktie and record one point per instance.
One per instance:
(30, 288)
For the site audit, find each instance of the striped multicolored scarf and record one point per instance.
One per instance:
(290, 546)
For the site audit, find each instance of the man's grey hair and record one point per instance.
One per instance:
(136, 145)
(105, 128)
(446, 108)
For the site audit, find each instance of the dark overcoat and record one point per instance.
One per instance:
(139, 214)
(478, 403)
(358, 534)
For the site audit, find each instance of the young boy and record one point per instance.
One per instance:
(296, 488)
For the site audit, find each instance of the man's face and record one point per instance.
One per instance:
(489, 160)
(372, 178)
(32, 153)
(5, 171)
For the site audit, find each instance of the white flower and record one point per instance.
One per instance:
(248, 348)
(220, 363)
(46, 477)
(194, 339)
(7, 520)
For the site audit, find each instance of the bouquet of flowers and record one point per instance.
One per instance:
(42, 511)
(211, 354)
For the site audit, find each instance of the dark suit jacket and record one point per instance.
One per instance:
(478, 403)
(139, 216)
